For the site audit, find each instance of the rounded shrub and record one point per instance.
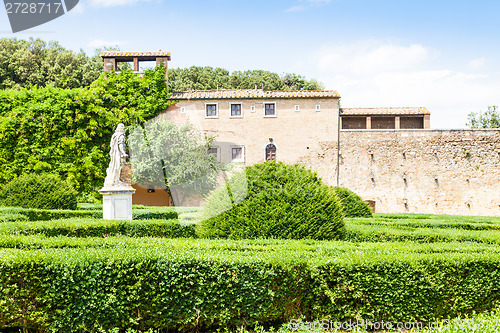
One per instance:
(273, 200)
(44, 191)
(352, 204)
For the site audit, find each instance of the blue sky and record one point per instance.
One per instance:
(439, 54)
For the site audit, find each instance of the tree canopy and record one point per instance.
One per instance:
(35, 62)
(173, 157)
(67, 131)
(208, 78)
(487, 119)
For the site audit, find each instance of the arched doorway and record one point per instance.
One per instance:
(270, 152)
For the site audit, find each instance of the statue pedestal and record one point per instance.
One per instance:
(117, 202)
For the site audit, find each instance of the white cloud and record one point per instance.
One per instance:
(477, 63)
(114, 3)
(372, 74)
(97, 43)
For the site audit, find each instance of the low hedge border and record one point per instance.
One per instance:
(99, 228)
(75, 290)
(13, 214)
(396, 233)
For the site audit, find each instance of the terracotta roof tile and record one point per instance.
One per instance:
(253, 93)
(134, 54)
(383, 111)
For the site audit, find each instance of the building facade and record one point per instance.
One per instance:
(389, 156)
(251, 126)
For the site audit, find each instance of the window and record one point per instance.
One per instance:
(270, 152)
(183, 110)
(236, 110)
(270, 109)
(318, 107)
(214, 151)
(252, 108)
(211, 110)
(237, 154)
(297, 107)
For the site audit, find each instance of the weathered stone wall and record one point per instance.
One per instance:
(417, 171)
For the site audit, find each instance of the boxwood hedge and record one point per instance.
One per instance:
(80, 290)
(45, 191)
(352, 204)
(273, 200)
(99, 228)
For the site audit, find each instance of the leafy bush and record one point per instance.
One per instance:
(13, 214)
(99, 228)
(157, 213)
(352, 204)
(39, 191)
(191, 285)
(273, 200)
(69, 129)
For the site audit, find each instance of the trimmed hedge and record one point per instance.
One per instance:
(74, 290)
(273, 200)
(44, 191)
(13, 214)
(352, 204)
(153, 213)
(100, 228)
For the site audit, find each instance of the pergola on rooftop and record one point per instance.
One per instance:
(113, 58)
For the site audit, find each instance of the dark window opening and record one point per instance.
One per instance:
(270, 152)
(383, 122)
(211, 110)
(353, 122)
(411, 122)
(235, 110)
(270, 109)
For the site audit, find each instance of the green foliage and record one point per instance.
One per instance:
(273, 200)
(175, 157)
(423, 229)
(13, 214)
(43, 191)
(151, 213)
(99, 228)
(488, 119)
(208, 78)
(37, 63)
(352, 204)
(67, 132)
(185, 284)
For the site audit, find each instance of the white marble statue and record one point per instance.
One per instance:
(118, 157)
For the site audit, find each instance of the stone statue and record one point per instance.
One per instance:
(118, 157)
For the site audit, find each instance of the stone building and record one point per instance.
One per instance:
(389, 156)
(385, 118)
(255, 125)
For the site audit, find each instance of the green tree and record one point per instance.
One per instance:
(67, 131)
(488, 119)
(35, 62)
(208, 78)
(172, 157)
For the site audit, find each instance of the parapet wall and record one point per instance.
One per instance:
(417, 171)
